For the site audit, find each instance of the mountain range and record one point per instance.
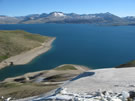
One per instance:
(60, 17)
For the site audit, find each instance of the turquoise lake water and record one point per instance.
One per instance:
(83, 44)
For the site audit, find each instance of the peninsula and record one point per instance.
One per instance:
(18, 47)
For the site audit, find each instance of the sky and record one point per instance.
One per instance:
(24, 7)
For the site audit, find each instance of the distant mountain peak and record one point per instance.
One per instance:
(109, 13)
(57, 14)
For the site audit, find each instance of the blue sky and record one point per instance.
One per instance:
(25, 7)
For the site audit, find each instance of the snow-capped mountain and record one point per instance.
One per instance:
(60, 17)
(130, 18)
(8, 20)
(57, 14)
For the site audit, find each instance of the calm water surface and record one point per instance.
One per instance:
(83, 44)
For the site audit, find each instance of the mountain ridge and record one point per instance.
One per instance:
(60, 17)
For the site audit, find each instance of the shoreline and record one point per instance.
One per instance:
(28, 56)
(49, 72)
(41, 82)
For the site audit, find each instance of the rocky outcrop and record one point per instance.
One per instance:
(62, 94)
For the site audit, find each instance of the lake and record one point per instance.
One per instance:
(83, 44)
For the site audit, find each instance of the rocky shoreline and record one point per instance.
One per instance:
(41, 82)
(28, 56)
(47, 73)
